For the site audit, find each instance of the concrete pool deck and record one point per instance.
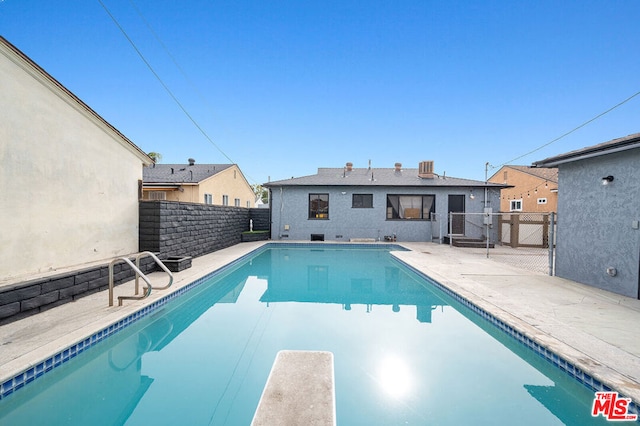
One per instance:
(591, 328)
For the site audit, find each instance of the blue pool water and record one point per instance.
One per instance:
(405, 353)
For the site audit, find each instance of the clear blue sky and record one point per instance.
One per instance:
(285, 87)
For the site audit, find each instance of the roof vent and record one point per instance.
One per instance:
(398, 167)
(191, 161)
(349, 167)
(425, 169)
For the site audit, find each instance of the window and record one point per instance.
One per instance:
(208, 198)
(225, 200)
(318, 206)
(236, 202)
(542, 201)
(410, 206)
(157, 195)
(515, 205)
(362, 201)
(248, 204)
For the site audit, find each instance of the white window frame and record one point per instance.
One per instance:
(225, 200)
(208, 198)
(236, 202)
(515, 205)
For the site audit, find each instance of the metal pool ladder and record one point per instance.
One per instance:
(139, 274)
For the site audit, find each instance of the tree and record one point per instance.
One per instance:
(155, 156)
(261, 192)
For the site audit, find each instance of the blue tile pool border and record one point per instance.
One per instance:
(30, 374)
(27, 376)
(563, 364)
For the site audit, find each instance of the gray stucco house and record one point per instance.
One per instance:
(598, 237)
(410, 204)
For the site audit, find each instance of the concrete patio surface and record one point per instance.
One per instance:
(592, 328)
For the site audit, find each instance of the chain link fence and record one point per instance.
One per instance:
(524, 240)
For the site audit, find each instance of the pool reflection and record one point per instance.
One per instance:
(109, 377)
(372, 283)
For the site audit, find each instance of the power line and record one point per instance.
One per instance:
(166, 88)
(571, 131)
(173, 59)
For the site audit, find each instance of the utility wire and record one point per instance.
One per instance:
(173, 59)
(155, 35)
(570, 131)
(166, 88)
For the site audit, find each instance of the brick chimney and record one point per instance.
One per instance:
(425, 169)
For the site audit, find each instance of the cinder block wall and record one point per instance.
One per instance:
(261, 219)
(190, 229)
(34, 296)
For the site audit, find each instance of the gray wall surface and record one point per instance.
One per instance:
(261, 218)
(290, 206)
(596, 222)
(192, 229)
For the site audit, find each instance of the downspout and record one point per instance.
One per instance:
(486, 169)
(270, 215)
(280, 215)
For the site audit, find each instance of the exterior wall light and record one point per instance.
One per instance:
(607, 180)
(471, 195)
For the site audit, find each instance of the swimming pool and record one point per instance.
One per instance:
(405, 352)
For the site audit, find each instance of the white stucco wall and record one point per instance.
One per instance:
(68, 182)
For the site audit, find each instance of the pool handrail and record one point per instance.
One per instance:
(159, 263)
(139, 273)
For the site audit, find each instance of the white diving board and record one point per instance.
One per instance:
(300, 390)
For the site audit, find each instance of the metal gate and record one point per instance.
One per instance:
(524, 229)
(525, 240)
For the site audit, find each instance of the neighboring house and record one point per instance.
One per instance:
(261, 204)
(531, 190)
(69, 181)
(220, 184)
(375, 203)
(598, 238)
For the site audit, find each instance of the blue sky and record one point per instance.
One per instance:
(284, 87)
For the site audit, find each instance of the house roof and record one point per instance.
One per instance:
(24, 59)
(547, 174)
(615, 145)
(181, 173)
(406, 177)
